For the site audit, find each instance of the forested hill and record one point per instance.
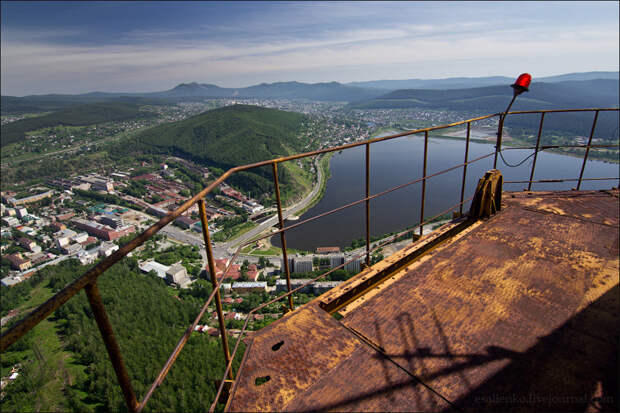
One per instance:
(80, 115)
(490, 99)
(227, 137)
(598, 93)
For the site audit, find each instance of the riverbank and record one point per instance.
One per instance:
(323, 177)
(509, 141)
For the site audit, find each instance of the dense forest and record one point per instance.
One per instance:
(147, 320)
(74, 116)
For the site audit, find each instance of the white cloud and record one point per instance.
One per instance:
(33, 66)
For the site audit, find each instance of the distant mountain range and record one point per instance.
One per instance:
(469, 82)
(565, 94)
(332, 91)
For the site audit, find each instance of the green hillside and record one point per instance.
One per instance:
(227, 137)
(74, 116)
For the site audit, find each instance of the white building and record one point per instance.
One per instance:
(152, 265)
(22, 212)
(106, 249)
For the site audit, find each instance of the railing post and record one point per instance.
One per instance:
(213, 276)
(542, 119)
(500, 130)
(367, 205)
(282, 237)
(424, 181)
(111, 345)
(585, 157)
(465, 166)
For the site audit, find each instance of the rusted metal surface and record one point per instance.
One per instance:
(111, 345)
(510, 305)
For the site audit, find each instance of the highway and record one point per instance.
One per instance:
(229, 248)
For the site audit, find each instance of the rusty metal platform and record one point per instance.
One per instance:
(517, 312)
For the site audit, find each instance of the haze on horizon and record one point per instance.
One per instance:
(70, 47)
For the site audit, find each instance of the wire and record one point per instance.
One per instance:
(520, 163)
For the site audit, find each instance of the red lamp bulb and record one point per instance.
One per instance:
(522, 83)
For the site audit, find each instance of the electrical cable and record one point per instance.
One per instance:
(520, 163)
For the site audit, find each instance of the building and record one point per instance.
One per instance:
(177, 275)
(11, 281)
(63, 237)
(303, 265)
(319, 287)
(112, 221)
(22, 212)
(81, 237)
(10, 221)
(291, 264)
(295, 283)
(328, 250)
(354, 266)
(29, 199)
(98, 183)
(18, 262)
(87, 256)
(107, 248)
(152, 265)
(249, 286)
(58, 226)
(101, 231)
(185, 222)
(29, 244)
(336, 260)
(72, 249)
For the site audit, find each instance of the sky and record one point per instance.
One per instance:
(78, 47)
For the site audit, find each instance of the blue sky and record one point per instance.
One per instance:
(74, 47)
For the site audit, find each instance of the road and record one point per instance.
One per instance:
(231, 246)
(221, 250)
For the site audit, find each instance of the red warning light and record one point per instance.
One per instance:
(522, 83)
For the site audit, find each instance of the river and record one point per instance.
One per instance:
(398, 161)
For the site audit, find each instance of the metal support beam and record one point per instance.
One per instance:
(282, 237)
(367, 205)
(212, 275)
(423, 182)
(542, 119)
(111, 345)
(465, 167)
(585, 157)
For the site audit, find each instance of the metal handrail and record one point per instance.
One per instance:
(88, 280)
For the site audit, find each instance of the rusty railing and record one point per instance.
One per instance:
(88, 280)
